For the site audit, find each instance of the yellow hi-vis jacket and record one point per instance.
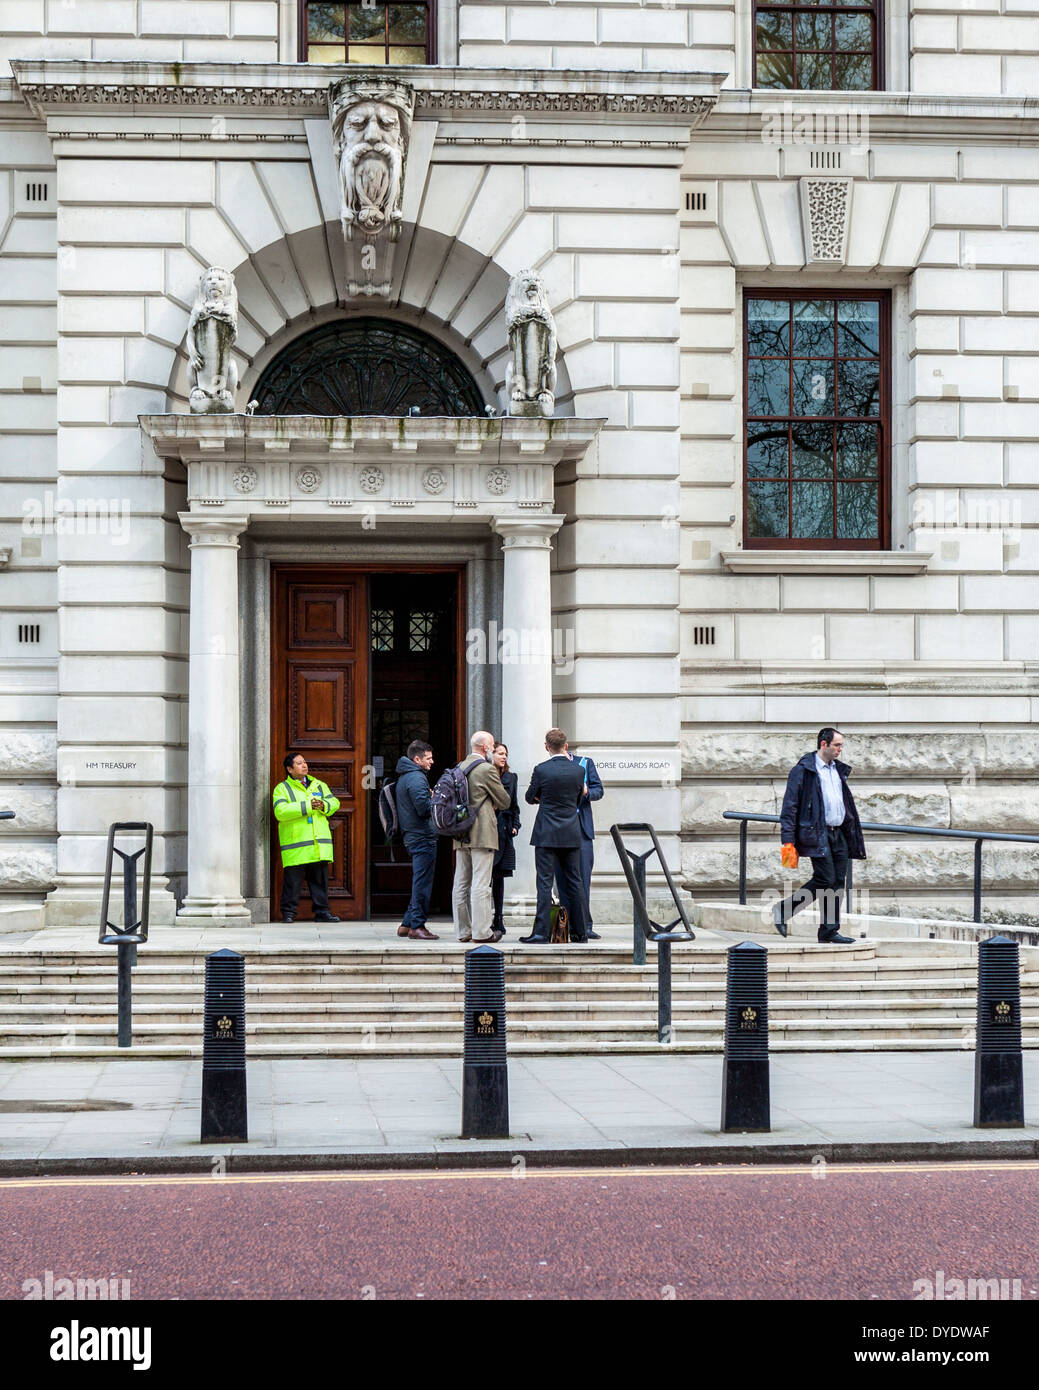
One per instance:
(303, 832)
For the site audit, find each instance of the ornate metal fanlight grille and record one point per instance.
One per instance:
(367, 366)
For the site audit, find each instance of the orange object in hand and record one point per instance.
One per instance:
(789, 856)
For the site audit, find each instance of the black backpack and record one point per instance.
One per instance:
(388, 813)
(450, 810)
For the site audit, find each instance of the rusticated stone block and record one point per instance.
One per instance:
(23, 867)
(891, 864)
(35, 809)
(1001, 806)
(703, 804)
(923, 804)
(871, 752)
(28, 753)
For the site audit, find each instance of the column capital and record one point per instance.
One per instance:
(526, 533)
(213, 530)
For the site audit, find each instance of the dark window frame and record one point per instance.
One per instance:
(786, 7)
(302, 42)
(882, 418)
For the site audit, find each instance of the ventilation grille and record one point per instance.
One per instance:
(825, 159)
(703, 636)
(35, 192)
(28, 632)
(696, 202)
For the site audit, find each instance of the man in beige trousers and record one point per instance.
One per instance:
(472, 904)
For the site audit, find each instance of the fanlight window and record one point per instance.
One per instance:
(366, 366)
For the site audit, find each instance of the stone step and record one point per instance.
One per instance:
(546, 1013)
(66, 995)
(259, 1051)
(574, 1034)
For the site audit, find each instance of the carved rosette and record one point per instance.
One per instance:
(434, 480)
(244, 479)
(826, 219)
(308, 479)
(499, 481)
(371, 126)
(372, 479)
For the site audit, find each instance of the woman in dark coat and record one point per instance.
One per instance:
(508, 829)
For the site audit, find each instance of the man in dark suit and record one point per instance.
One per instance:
(557, 788)
(593, 791)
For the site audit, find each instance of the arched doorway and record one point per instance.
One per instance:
(365, 660)
(367, 366)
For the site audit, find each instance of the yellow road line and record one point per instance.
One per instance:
(511, 1173)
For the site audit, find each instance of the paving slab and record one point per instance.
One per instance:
(563, 1110)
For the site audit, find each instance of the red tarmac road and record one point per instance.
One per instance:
(853, 1232)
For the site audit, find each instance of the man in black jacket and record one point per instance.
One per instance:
(819, 819)
(556, 788)
(420, 839)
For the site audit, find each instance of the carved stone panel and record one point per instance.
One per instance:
(826, 219)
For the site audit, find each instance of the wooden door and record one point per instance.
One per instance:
(320, 709)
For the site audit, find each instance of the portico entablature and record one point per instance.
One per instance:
(428, 469)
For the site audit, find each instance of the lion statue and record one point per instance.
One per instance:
(530, 378)
(212, 329)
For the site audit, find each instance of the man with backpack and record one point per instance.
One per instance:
(472, 903)
(411, 797)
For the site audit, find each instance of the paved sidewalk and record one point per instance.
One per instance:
(81, 1116)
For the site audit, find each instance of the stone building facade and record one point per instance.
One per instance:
(711, 601)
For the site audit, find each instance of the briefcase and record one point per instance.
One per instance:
(559, 932)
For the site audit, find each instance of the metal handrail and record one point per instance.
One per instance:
(978, 836)
(644, 928)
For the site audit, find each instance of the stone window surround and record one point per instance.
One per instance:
(445, 21)
(894, 50)
(865, 561)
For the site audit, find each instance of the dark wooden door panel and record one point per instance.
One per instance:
(321, 617)
(320, 709)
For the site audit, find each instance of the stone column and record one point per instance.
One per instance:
(214, 734)
(525, 653)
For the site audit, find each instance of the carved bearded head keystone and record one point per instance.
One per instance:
(371, 126)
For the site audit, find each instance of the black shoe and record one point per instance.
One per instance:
(499, 927)
(777, 920)
(593, 936)
(836, 940)
(326, 917)
(533, 940)
(288, 916)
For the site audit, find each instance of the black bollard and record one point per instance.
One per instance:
(224, 1109)
(999, 1093)
(485, 1067)
(745, 1090)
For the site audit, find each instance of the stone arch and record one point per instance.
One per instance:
(440, 286)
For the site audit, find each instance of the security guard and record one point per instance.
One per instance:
(302, 807)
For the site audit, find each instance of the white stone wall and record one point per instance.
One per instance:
(954, 232)
(975, 47)
(134, 233)
(621, 36)
(28, 586)
(239, 31)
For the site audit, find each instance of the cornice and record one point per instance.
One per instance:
(742, 115)
(51, 87)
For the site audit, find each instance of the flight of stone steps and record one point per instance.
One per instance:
(345, 1002)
